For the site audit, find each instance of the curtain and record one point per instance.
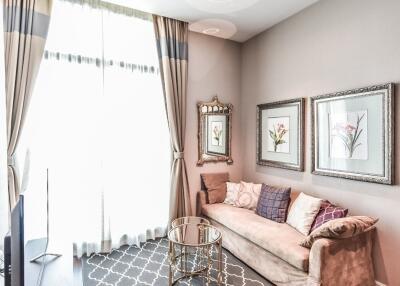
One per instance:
(26, 26)
(98, 123)
(4, 201)
(172, 46)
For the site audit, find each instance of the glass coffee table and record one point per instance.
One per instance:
(189, 219)
(190, 252)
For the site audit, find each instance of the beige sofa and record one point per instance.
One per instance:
(273, 250)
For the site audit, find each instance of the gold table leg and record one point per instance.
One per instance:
(171, 256)
(209, 264)
(204, 264)
(219, 246)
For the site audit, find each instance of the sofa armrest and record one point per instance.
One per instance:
(342, 261)
(201, 200)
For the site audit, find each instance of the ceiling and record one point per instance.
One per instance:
(238, 20)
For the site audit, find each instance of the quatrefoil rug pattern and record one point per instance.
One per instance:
(148, 265)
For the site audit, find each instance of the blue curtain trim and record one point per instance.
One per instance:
(25, 21)
(168, 47)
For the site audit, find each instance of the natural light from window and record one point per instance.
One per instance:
(101, 129)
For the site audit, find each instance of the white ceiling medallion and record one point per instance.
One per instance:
(221, 6)
(216, 27)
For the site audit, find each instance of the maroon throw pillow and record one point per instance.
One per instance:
(326, 213)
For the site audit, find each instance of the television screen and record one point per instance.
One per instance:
(17, 244)
(29, 237)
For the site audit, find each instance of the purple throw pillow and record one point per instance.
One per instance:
(326, 213)
(273, 203)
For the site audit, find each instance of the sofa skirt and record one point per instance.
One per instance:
(271, 267)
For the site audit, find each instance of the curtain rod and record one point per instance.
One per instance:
(115, 8)
(98, 62)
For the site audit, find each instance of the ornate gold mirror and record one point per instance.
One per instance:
(215, 132)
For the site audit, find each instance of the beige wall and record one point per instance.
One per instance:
(214, 68)
(334, 45)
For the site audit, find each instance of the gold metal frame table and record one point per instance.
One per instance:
(194, 241)
(189, 219)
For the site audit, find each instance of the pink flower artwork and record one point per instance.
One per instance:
(349, 132)
(277, 134)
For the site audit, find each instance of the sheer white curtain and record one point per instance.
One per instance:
(97, 120)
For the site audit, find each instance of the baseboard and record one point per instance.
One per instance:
(377, 283)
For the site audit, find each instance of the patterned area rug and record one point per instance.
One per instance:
(148, 265)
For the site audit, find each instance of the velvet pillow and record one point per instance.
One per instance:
(248, 195)
(232, 191)
(326, 213)
(340, 228)
(303, 212)
(273, 203)
(215, 184)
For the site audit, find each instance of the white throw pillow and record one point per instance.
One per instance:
(232, 191)
(248, 195)
(303, 212)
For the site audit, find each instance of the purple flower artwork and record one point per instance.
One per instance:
(348, 135)
(278, 132)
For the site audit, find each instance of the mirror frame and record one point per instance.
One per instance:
(214, 107)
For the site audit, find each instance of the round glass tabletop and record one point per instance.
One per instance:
(194, 234)
(189, 219)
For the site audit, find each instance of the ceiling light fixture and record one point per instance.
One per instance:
(220, 1)
(211, 31)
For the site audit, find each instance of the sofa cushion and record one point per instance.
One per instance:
(273, 203)
(326, 213)
(340, 228)
(279, 239)
(303, 212)
(232, 191)
(215, 184)
(248, 195)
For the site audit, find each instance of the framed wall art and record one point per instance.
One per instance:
(215, 132)
(352, 134)
(280, 134)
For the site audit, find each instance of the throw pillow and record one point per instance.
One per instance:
(326, 213)
(232, 191)
(273, 203)
(340, 228)
(215, 184)
(303, 212)
(248, 195)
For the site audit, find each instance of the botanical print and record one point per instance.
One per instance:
(278, 131)
(348, 135)
(217, 131)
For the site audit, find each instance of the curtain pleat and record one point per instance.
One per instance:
(26, 25)
(172, 46)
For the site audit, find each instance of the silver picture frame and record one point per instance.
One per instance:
(385, 109)
(299, 103)
(208, 113)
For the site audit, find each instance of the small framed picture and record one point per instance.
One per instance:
(352, 134)
(280, 134)
(216, 135)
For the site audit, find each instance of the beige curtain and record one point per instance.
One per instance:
(172, 45)
(26, 24)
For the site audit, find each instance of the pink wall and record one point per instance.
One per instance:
(214, 68)
(330, 46)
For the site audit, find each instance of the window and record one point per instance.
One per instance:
(97, 121)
